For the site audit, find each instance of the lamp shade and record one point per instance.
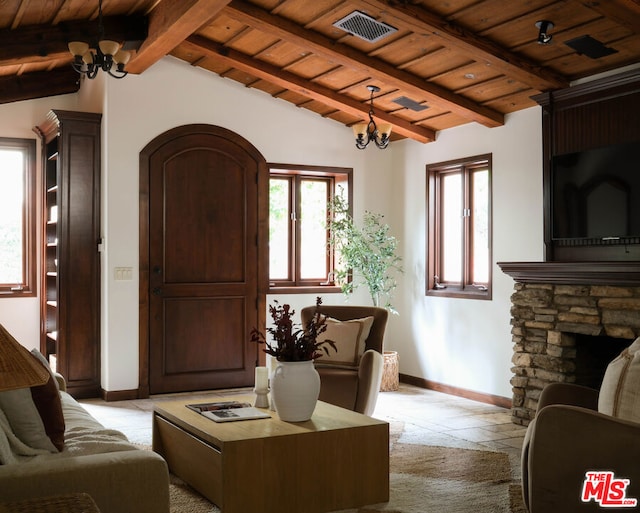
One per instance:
(121, 57)
(18, 367)
(108, 47)
(89, 57)
(360, 129)
(384, 129)
(78, 48)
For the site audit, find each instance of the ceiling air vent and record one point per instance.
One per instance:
(410, 104)
(589, 46)
(365, 27)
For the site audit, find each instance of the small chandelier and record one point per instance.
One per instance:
(105, 55)
(367, 132)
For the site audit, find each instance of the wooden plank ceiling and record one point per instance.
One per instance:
(438, 63)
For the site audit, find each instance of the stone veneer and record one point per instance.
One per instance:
(545, 319)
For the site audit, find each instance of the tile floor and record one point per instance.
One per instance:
(431, 417)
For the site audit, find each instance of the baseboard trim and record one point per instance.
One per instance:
(496, 400)
(119, 395)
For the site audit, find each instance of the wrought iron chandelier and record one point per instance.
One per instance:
(104, 55)
(367, 132)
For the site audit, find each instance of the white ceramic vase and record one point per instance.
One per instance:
(295, 387)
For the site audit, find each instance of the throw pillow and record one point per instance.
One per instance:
(620, 391)
(24, 419)
(47, 401)
(349, 337)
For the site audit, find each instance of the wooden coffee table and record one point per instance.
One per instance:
(337, 460)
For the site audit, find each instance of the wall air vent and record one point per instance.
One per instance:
(365, 27)
(410, 104)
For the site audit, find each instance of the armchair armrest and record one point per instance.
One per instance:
(567, 442)
(369, 380)
(569, 394)
(62, 383)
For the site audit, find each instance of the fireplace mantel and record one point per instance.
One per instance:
(574, 273)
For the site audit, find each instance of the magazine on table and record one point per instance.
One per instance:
(228, 411)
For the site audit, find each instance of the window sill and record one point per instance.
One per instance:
(7, 293)
(329, 289)
(461, 294)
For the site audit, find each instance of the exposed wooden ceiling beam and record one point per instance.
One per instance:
(350, 57)
(420, 20)
(38, 43)
(273, 74)
(170, 23)
(624, 12)
(41, 84)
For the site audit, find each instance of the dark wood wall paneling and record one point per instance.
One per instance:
(586, 116)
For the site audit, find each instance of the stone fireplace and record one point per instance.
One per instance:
(569, 320)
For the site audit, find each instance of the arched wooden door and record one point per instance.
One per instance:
(203, 259)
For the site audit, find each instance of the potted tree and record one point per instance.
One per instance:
(365, 254)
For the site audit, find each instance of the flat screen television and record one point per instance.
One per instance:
(595, 194)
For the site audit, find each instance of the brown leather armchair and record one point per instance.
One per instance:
(354, 389)
(567, 439)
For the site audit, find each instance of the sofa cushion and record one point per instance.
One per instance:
(12, 449)
(47, 400)
(85, 435)
(40, 357)
(76, 417)
(24, 419)
(620, 390)
(350, 338)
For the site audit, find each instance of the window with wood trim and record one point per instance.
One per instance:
(299, 199)
(17, 217)
(459, 228)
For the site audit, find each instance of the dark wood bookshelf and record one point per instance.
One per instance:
(70, 283)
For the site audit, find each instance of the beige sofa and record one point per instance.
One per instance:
(120, 477)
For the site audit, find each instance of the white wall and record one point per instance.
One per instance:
(463, 343)
(170, 94)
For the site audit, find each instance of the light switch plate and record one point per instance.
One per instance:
(123, 273)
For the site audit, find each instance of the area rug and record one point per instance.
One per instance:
(423, 479)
